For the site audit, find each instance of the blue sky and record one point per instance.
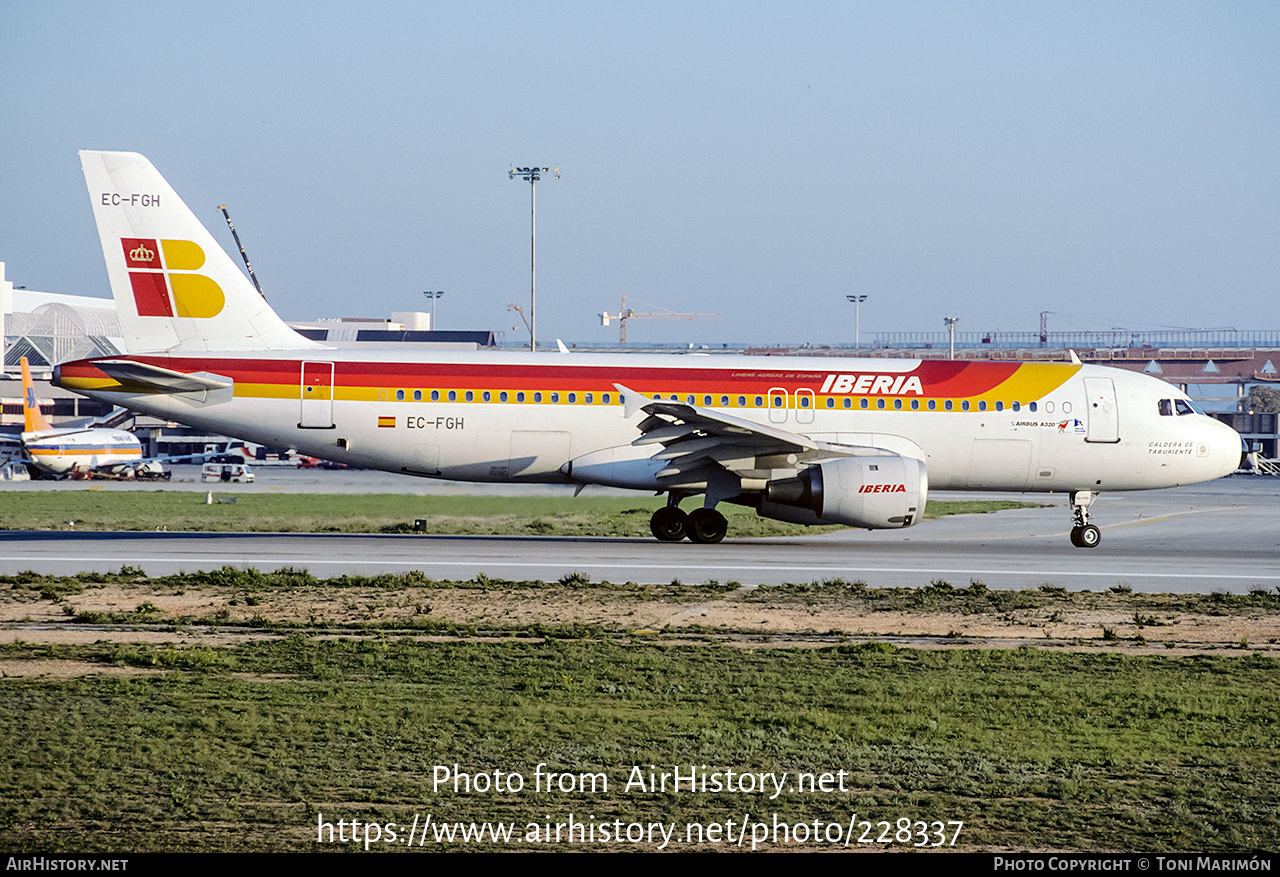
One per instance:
(1114, 163)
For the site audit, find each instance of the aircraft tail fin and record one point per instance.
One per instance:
(175, 287)
(33, 420)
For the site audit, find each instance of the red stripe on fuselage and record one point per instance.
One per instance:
(938, 378)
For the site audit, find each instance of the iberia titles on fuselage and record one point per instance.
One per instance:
(812, 440)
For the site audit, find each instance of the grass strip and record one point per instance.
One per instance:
(246, 748)
(177, 510)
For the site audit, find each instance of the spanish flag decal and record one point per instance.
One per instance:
(386, 422)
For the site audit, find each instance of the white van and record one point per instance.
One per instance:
(226, 472)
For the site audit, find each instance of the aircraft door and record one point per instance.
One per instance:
(806, 401)
(317, 396)
(777, 405)
(1103, 414)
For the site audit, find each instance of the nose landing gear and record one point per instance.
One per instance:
(1083, 534)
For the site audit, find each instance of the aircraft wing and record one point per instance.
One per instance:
(693, 438)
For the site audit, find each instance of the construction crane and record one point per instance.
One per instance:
(627, 314)
(243, 254)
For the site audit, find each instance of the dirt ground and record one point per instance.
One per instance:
(144, 613)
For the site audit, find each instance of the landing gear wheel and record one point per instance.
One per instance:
(1087, 536)
(1090, 536)
(669, 524)
(707, 526)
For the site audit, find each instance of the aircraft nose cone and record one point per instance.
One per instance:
(1225, 449)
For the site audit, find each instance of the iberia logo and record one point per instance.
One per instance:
(164, 282)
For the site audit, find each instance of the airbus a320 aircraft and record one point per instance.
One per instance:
(815, 441)
(72, 450)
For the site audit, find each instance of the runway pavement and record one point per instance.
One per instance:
(1220, 536)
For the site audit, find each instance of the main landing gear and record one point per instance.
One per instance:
(670, 524)
(1083, 534)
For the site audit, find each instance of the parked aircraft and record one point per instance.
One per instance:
(72, 449)
(811, 440)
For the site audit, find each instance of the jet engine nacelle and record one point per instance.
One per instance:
(875, 493)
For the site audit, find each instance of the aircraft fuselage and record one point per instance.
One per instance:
(509, 417)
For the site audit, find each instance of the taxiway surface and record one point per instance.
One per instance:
(1219, 536)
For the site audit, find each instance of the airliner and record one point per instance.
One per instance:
(72, 450)
(850, 441)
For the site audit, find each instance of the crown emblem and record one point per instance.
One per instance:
(142, 253)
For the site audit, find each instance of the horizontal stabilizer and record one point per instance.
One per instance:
(154, 379)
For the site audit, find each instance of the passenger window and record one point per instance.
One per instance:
(520, 396)
(588, 398)
(933, 405)
(435, 395)
(915, 404)
(417, 395)
(537, 397)
(724, 401)
(470, 396)
(605, 398)
(1032, 406)
(706, 401)
(964, 406)
(555, 397)
(848, 403)
(759, 401)
(486, 396)
(947, 405)
(573, 397)
(831, 403)
(742, 401)
(866, 403)
(502, 397)
(399, 395)
(982, 405)
(880, 404)
(453, 395)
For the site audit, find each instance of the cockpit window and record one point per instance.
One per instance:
(1182, 406)
(1166, 407)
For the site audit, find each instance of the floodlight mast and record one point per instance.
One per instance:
(857, 301)
(532, 175)
(433, 294)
